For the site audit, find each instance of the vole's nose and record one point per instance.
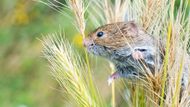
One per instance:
(87, 42)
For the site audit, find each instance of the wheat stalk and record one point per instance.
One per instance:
(70, 70)
(173, 30)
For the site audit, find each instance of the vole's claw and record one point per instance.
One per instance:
(110, 80)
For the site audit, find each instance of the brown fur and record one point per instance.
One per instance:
(119, 35)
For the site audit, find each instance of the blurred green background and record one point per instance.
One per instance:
(25, 79)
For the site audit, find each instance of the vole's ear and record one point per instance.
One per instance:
(130, 29)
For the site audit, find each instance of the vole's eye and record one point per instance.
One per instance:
(100, 34)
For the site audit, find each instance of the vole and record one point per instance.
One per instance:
(129, 47)
(124, 43)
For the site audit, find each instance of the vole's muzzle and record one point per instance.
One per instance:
(88, 42)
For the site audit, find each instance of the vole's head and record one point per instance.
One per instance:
(111, 37)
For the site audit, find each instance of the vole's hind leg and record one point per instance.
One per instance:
(137, 55)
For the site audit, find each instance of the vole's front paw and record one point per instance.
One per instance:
(114, 76)
(137, 55)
